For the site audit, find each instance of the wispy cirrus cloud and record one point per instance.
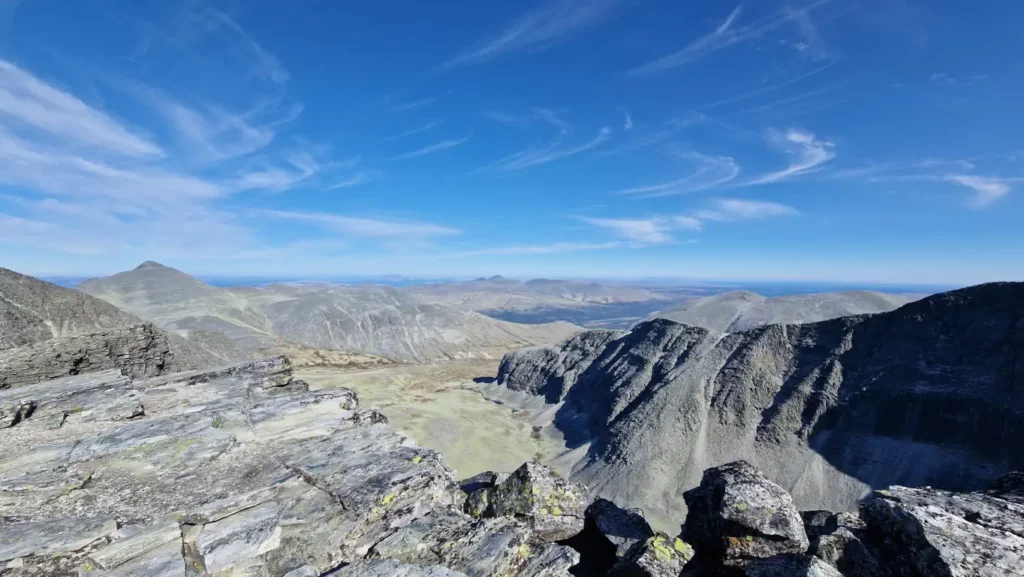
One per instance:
(726, 34)
(808, 153)
(58, 170)
(413, 131)
(537, 155)
(415, 104)
(734, 209)
(537, 30)
(84, 182)
(709, 172)
(298, 168)
(627, 121)
(535, 115)
(987, 190)
(539, 249)
(439, 146)
(357, 179)
(210, 134)
(645, 231)
(27, 102)
(361, 227)
(265, 64)
(761, 91)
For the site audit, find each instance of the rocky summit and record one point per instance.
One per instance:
(928, 394)
(244, 470)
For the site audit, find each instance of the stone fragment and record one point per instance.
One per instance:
(925, 532)
(839, 540)
(42, 538)
(393, 568)
(556, 507)
(621, 527)
(737, 514)
(656, 556)
(549, 560)
(129, 547)
(791, 565)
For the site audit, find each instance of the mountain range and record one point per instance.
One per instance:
(372, 319)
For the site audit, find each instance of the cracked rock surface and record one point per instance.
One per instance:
(237, 471)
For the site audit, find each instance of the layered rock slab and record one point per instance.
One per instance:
(927, 532)
(240, 470)
(139, 352)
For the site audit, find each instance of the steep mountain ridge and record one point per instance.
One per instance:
(738, 311)
(177, 301)
(32, 311)
(929, 394)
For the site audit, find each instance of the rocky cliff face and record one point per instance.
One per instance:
(138, 352)
(930, 394)
(550, 371)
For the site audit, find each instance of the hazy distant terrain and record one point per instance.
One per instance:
(373, 319)
(741, 310)
(586, 303)
(501, 293)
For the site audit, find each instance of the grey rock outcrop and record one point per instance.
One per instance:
(138, 352)
(737, 515)
(556, 507)
(791, 565)
(238, 470)
(928, 394)
(840, 540)
(390, 568)
(926, 532)
(622, 528)
(656, 556)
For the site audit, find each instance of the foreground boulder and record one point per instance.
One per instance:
(657, 556)
(623, 528)
(242, 471)
(556, 507)
(926, 532)
(737, 515)
(840, 539)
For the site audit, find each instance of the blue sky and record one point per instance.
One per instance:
(868, 141)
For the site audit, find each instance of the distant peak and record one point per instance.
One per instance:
(149, 264)
(497, 277)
